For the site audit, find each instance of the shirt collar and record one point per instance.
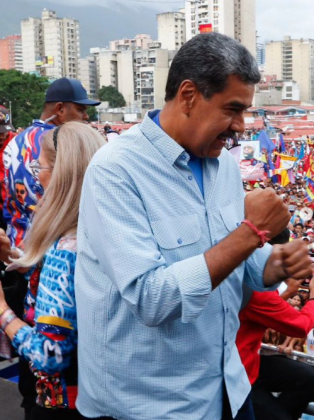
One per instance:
(166, 145)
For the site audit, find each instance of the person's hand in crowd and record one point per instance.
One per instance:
(290, 260)
(293, 287)
(266, 211)
(5, 247)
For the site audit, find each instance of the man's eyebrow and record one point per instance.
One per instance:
(239, 105)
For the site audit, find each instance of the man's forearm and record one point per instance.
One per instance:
(225, 257)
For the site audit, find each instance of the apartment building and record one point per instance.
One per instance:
(151, 72)
(11, 53)
(293, 59)
(88, 75)
(171, 30)
(140, 41)
(235, 18)
(51, 45)
(32, 43)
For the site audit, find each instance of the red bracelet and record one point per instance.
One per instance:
(261, 233)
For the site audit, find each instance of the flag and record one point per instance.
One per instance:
(265, 142)
(309, 166)
(282, 143)
(302, 153)
(309, 190)
(286, 164)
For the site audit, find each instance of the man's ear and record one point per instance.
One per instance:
(187, 94)
(59, 108)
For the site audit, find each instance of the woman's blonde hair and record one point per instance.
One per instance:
(57, 212)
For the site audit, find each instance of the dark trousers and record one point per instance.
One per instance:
(245, 413)
(27, 387)
(42, 413)
(293, 379)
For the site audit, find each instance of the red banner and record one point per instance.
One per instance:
(205, 28)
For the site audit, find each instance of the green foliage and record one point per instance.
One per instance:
(92, 113)
(112, 95)
(26, 93)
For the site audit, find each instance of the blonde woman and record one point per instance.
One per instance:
(50, 345)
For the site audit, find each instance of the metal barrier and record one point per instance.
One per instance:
(268, 349)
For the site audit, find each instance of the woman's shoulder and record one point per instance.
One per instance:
(67, 243)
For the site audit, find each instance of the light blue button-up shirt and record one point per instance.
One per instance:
(155, 341)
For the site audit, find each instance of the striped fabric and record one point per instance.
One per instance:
(155, 342)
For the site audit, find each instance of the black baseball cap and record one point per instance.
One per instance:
(69, 90)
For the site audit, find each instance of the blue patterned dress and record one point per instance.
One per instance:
(51, 345)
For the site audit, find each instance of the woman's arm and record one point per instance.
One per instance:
(50, 344)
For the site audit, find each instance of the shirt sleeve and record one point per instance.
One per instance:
(254, 269)
(119, 232)
(271, 311)
(50, 344)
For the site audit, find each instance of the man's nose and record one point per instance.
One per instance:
(238, 123)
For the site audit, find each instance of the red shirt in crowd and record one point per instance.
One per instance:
(268, 310)
(10, 136)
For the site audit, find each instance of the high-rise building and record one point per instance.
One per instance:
(88, 75)
(11, 53)
(235, 18)
(51, 45)
(171, 30)
(293, 59)
(32, 43)
(260, 54)
(140, 74)
(151, 70)
(140, 41)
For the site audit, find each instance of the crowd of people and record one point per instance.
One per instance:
(142, 272)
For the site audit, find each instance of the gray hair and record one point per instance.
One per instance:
(208, 60)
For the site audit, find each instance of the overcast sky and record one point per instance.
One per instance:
(275, 18)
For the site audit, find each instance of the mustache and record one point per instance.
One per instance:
(228, 135)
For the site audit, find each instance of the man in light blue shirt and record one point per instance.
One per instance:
(162, 252)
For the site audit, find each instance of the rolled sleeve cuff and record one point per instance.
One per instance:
(255, 266)
(195, 286)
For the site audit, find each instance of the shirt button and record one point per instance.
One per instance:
(225, 343)
(227, 310)
(238, 224)
(183, 157)
(190, 178)
(180, 241)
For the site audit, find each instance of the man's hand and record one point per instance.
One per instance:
(266, 211)
(288, 260)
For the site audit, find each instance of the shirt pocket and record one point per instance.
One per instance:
(177, 234)
(227, 219)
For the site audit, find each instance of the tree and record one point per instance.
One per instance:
(26, 92)
(92, 113)
(112, 95)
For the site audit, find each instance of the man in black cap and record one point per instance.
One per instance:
(66, 100)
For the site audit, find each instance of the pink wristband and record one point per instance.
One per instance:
(261, 233)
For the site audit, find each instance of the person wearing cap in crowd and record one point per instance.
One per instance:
(66, 100)
(298, 230)
(304, 292)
